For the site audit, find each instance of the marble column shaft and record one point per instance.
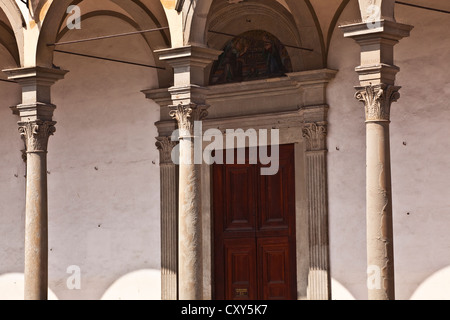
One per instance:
(377, 91)
(189, 223)
(380, 238)
(35, 127)
(36, 135)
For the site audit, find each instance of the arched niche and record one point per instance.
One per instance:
(252, 55)
(228, 21)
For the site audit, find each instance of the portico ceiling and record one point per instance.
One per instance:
(435, 4)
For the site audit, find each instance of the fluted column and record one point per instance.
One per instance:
(35, 127)
(314, 135)
(169, 220)
(190, 228)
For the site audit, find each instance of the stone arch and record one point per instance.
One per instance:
(8, 40)
(245, 17)
(196, 12)
(12, 37)
(309, 28)
(139, 12)
(296, 19)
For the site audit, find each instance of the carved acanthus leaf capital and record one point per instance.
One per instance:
(186, 115)
(377, 100)
(36, 134)
(315, 135)
(165, 146)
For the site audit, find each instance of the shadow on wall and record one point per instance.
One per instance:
(12, 287)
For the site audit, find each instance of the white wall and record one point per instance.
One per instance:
(346, 166)
(104, 180)
(103, 168)
(12, 182)
(419, 170)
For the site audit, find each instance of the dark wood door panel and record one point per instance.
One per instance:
(254, 231)
(276, 276)
(275, 192)
(240, 196)
(277, 196)
(240, 266)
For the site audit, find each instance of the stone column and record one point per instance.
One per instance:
(189, 105)
(190, 227)
(35, 127)
(169, 220)
(377, 91)
(36, 135)
(380, 246)
(319, 281)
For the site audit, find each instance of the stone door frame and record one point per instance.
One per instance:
(290, 133)
(304, 124)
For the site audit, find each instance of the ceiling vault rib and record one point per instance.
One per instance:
(319, 30)
(333, 23)
(155, 20)
(98, 13)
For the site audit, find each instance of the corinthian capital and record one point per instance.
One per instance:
(315, 135)
(36, 134)
(165, 146)
(377, 100)
(186, 115)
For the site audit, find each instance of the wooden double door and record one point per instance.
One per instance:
(254, 231)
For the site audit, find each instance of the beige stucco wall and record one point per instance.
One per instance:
(104, 181)
(346, 167)
(103, 176)
(12, 185)
(419, 169)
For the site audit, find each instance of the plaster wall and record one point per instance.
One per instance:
(419, 140)
(103, 172)
(12, 184)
